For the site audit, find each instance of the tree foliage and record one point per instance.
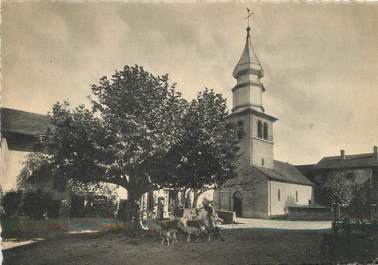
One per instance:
(141, 134)
(349, 189)
(206, 154)
(36, 169)
(339, 187)
(37, 172)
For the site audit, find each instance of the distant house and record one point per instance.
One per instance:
(20, 135)
(20, 132)
(363, 168)
(264, 187)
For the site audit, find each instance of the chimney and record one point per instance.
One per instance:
(375, 148)
(342, 154)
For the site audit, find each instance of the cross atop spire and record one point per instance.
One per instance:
(248, 60)
(249, 15)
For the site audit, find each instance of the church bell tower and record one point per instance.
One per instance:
(248, 112)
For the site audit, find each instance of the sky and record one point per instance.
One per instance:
(320, 60)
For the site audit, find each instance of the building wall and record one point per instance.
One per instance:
(254, 198)
(254, 133)
(256, 95)
(241, 96)
(261, 153)
(279, 206)
(208, 195)
(242, 122)
(253, 149)
(261, 148)
(11, 165)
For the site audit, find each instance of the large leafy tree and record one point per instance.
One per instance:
(135, 118)
(348, 189)
(206, 155)
(140, 134)
(339, 188)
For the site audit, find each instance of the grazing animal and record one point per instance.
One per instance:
(168, 235)
(202, 216)
(190, 227)
(167, 229)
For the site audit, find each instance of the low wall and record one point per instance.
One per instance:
(228, 217)
(309, 213)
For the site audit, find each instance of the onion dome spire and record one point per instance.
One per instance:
(247, 93)
(248, 61)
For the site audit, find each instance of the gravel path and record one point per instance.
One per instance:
(279, 224)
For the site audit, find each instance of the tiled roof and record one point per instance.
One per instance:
(17, 121)
(283, 172)
(305, 169)
(350, 161)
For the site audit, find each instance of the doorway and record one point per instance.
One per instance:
(237, 200)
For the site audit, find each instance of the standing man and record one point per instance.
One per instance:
(210, 209)
(160, 208)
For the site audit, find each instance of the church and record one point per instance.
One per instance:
(265, 187)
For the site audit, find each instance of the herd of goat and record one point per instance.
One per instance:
(196, 224)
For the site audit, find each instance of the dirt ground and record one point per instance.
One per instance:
(242, 246)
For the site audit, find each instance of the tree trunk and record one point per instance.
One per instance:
(133, 200)
(195, 199)
(183, 197)
(335, 212)
(187, 199)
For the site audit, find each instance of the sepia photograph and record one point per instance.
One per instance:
(189, 132)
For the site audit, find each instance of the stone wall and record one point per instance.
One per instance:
(260, 148)
(242, 122)
(254, 198)
(290, 194)
(303, 213)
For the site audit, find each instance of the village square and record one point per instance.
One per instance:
(189, 133)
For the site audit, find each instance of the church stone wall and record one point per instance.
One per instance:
(242, 122)
(287, 193)
(261, 150)
(259, 200)
(254, 198)
(254, 119)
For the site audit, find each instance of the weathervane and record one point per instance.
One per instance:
(249, 15)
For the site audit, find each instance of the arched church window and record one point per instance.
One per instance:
(259, 129)
(296, 196)
(265, 131)
(279, 194)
